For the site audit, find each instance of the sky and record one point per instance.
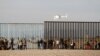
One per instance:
(37, 11)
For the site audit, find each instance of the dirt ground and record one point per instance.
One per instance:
(55, 52)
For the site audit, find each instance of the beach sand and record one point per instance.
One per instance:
(54, 52)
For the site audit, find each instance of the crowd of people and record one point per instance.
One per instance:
(65, 44)
(6, 44)
(3, 43)
(55, 44)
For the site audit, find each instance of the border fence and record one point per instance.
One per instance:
(85, 35)
(19, 31)
(50, 35)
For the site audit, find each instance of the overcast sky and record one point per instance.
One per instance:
(34, 11)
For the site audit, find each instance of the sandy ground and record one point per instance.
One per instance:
(36, 52)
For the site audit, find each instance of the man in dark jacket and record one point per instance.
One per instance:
(99, 45)
(12, 43)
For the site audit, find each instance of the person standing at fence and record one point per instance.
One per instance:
(41, 43)
(87, 45)
(50, 44)
(61, 43)
(38, 42)
(5, 44)
(96, 45)
(20, 44)
(44, 44)
(72, 45)
(24, 43)
(57, 44)
(99, 45)
(12, 43)
(1, 44)
(65, 44)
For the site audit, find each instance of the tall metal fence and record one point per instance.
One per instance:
(30, 31)
(82, 34)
